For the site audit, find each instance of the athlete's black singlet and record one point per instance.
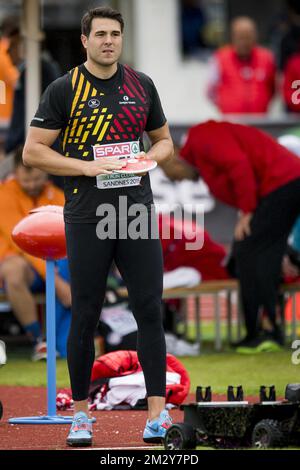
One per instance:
(91, 112)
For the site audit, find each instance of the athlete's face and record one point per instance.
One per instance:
(104, 44)
(31, 180)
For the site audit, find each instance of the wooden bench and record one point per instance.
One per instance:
(214, 288)
(217, 288)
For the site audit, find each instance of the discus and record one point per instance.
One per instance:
(135, 166)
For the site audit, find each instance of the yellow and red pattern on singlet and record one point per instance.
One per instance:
(101, 124)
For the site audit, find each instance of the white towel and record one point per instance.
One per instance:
(181, 277)
(129, 389)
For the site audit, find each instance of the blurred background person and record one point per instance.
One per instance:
(9, 73)
(242, 74)
(49, 72)
(21, 273)
(176, 235)
(249, 170)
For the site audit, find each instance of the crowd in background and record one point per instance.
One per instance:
(244, 76)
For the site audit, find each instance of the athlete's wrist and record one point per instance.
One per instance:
(84, 167)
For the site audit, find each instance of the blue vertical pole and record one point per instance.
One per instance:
(51, 338)
(51, 418)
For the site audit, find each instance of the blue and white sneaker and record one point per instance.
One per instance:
(80, 434)
(156, 429)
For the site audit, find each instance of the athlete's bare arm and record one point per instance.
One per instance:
(37, 153)
(162, 149)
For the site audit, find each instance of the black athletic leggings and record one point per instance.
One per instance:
(140, 264)
(259, 256)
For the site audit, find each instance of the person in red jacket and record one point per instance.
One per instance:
(242, 75)
(249, 170)
(208, 261)
(291, 84)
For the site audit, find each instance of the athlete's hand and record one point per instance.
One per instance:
(242, 228)
(141, 156)
(102, 166)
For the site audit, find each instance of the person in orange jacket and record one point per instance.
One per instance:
(20, 272)
(9, 73)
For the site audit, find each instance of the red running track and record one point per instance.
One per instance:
(113, 429)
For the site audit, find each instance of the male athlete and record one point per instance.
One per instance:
(97, 103)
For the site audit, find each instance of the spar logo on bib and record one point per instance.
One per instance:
(135, 148)
(120, 150)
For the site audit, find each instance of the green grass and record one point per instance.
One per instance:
(208, 331)
(24, 372)
(215, 369)
(220, 370)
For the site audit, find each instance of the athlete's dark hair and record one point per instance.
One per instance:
(99, 12)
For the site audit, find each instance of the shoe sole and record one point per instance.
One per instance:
(153, 440)
(249, 351)
(269, 346)
(42, 357)
(79, 442)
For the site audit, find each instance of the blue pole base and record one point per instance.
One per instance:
(44, 420)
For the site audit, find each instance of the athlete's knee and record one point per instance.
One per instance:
(84, 320)
(81, 338)
(147, 308)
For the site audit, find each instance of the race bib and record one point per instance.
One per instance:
(124, 150)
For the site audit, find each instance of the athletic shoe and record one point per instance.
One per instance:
(269, 346)
(183, 348)
(263, 346)
(80, 434)
(180, 347)
(39, 351)
(156, 429)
